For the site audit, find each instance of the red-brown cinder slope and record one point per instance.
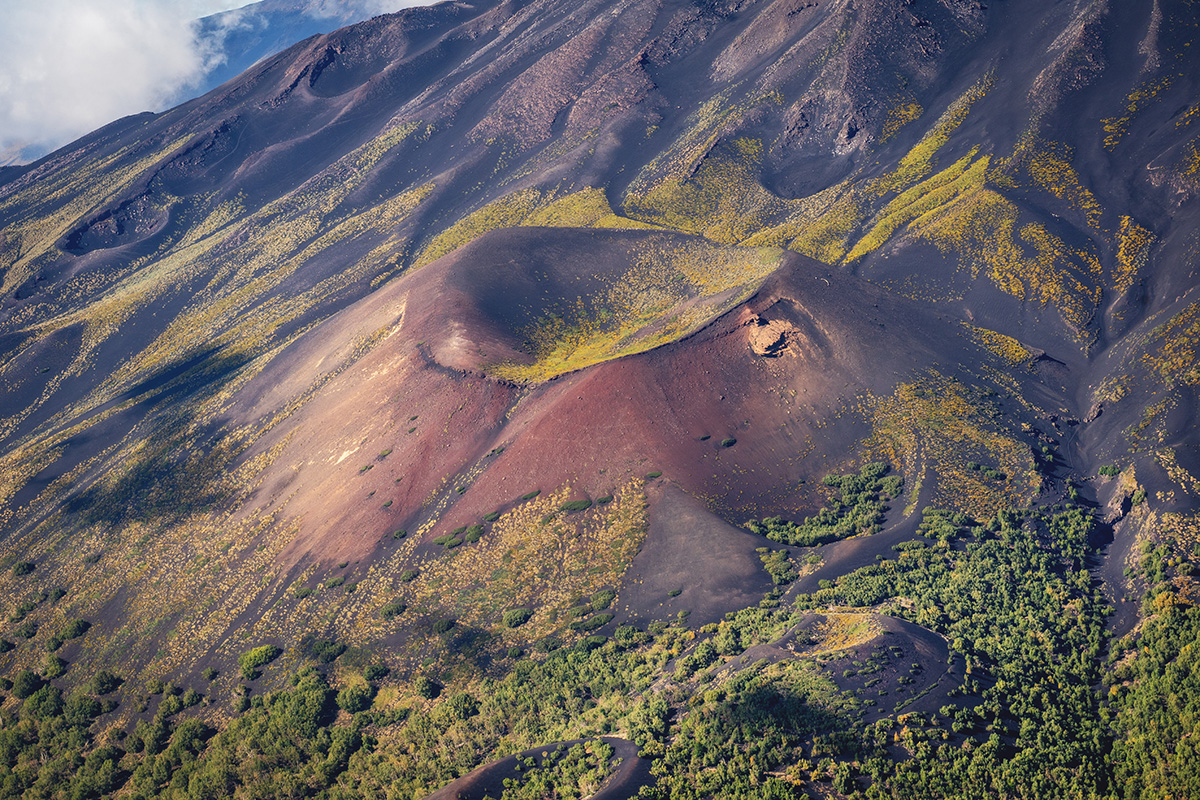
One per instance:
(775, 373)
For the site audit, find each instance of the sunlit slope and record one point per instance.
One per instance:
(264, 331)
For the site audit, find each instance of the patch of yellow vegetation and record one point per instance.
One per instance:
(670, 292)
(819, 226)
(982, 228)
(839, 631)
(823, 225)
(535, 557)
(507, 212)
(1133, 252)
(712, 189)
(1181, 531)
(1048, 164)
(1177, 357)
(1006, 348)
(1184, 479)
(937, 425)
(923, 199)
(586, 208)
(721, 199)
(1189, 164)
(1136, 101)
(1114, 389)
(77, 193)
(918, 162)
(904, 113)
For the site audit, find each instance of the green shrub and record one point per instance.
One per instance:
(44, 704)
(516, 617)
(25, 683)
(408, 575)
(548, 644)
(605, 500)
(491, 516)
(515, 652)
(730, 442)
(474, 533)
(674, 592)
(57, 594)
(652, 475)
(778, 566)
(1109, 471)
(462, 706)
(335, 582)
(374, 672)
(6, 645)
(592, 623)
(603, 599)
(326, 651)
(302, 592)
(22, 568)
(576, 505)
(22, 610)
(104, 682)
(251, 660)
(400, 534)
(209, 674)
(444, 625)
(53, 667)
(75, 629)
(531, 495)
(426, 687)
(393, 609)
(355, 698)
(27, 630)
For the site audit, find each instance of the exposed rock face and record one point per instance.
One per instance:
(769, 338)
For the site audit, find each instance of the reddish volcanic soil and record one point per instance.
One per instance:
(416, 349)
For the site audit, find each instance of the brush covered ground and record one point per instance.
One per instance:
(799, 396)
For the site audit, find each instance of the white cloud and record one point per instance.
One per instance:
(359, 9)
(70, 66)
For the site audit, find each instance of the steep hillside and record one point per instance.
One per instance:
(573, 358)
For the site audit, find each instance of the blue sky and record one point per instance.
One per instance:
(68, 67)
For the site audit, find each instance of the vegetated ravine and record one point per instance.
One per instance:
(657, 399)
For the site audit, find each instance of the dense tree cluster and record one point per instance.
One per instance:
(1022, 618)
(855, 505)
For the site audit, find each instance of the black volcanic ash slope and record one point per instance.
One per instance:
(467, 340)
